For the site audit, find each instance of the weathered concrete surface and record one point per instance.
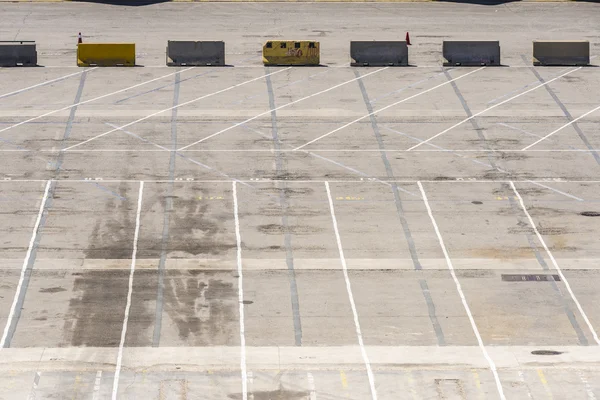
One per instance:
(183, 332)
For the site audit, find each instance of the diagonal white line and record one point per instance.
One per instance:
(492, 107)
(45, 83)
(351, 296)
(174, 107)
(91, 100)
(462, 295)
(386, 107)
(280, 107)
(561, 128)
(562, 277)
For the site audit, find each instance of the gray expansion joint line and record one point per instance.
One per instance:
(44, 216)
(289, 255)
(400, 211)
(473, 121)
(565, 111)
(160, 289)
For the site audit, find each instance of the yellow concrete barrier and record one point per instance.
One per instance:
(291, 52)
(106, 54)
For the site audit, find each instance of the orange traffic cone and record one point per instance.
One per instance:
(79, 39)
(407, 39)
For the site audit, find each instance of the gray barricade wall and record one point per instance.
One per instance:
(471, 53)
(195, 53)
(17, 54)
(378, 53)
(561, 52)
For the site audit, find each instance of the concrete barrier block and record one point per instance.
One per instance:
(291, 52)
(561, 52)
(195, 53)
(106, 54)
(378, 53)
(18, 54)
(471, 53)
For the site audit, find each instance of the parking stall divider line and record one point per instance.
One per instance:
(554, 263)
(561, 128)
(45, 83)
(491, 363)
(19, 298)
(88, 101)
(280, 168)
(491, 108)
(351, 296)
(173, 107)
(385, 108)
(279, 108)
(240, 278)
(136, 234)
(568, 115)
(166, 219)
(567, 309)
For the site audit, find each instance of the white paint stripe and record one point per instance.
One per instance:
(97, 382)
(240, 295)
(129, 292)
(45, 83)
(24, 267)
(174, 107)
(312, 390)
(36, 382)
(557, 191)
(250, 385)
(588, 389)
(386, 107)
(492, 107)
(561, 128)
(558, 270)
(462, 295)
(351, 296)
(280, 107)
(522, 378)
(90, 100)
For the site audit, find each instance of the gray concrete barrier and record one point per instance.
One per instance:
(378, 53)
(195, 53)
(471, 53)
(18, 54)
(561, 52)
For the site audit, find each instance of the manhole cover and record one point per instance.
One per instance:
(590, 214)
(546, 352)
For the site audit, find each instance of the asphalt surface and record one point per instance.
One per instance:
(299, 233)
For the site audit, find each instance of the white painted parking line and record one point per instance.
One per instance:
(280, 107)
(561, 128)
(97, 382)
(90, 100)
(462, 295)
(351, 296)
(175, 107)
(129, 293)
(25, 263)
(45, 83)
(554, 263)
(240, 295)
(588, 388)
(492, 107)
(386, 107)
(312, 391)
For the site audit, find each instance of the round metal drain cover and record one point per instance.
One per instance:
(590, 214)
(546, 352)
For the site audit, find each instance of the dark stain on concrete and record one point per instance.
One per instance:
(97, 308)
(277, 229)
(53, 290)
(203, 305)
(279, 394)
